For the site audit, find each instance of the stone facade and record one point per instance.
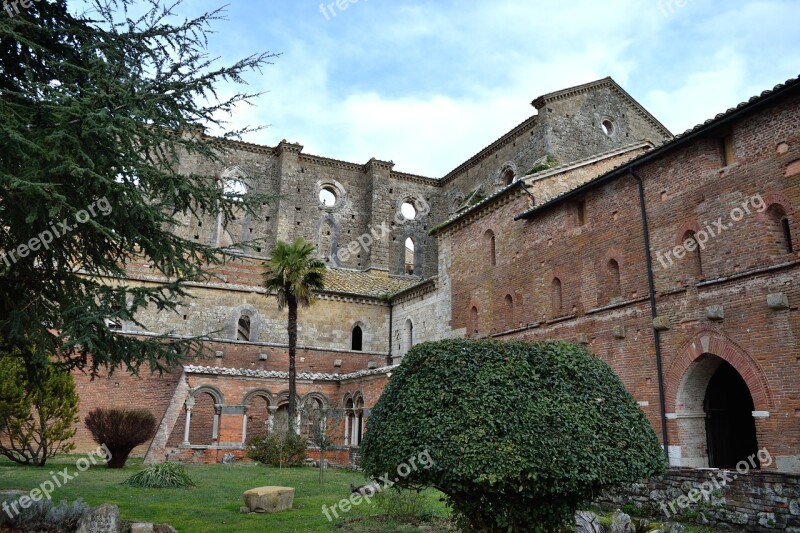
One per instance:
(502, 252)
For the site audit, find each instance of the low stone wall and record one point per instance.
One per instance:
(760, 500)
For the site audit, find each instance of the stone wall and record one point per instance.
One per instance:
(760, 501)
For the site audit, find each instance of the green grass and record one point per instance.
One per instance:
(213, 504)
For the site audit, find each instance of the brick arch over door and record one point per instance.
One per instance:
(712, 342)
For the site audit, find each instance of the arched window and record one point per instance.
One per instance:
(614, 283)
(473, 321)
(243, 328)
(356, 343)
(508, 176)
(409, 334)
(556, 304)
(409, 256)
(694, 260)
(489, 242)
(781, 228)
(509, 308)
(313, 419)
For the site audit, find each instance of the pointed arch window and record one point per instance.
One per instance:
(491, 250)
(614, 282)
(357, 339)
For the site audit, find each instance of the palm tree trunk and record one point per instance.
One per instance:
(292, 330)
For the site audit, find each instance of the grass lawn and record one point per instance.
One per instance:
(213, 505)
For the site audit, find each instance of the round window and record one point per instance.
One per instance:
(609, 128)
(408, 211)
(327, 196)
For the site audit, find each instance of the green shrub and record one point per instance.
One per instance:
(38, 408)
(520, 434)
(278, 449)
(161, 476)
(121, 430)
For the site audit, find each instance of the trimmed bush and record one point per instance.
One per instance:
(278, 449)
(520, 433)
(121, 430)
(161, 476)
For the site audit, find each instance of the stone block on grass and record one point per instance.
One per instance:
(269, 499)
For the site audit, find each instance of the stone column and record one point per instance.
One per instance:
(271, 419)
(215, 428)
(347, 428)
(189, 404)
(244, 425)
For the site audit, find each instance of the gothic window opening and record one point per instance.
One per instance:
(409, 256)
(614, 282)
(357, 339)
(509, 308)
(508, 177)
(473, 321)
(243, 328)
(409, 334)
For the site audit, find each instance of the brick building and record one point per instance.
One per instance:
(587, 222)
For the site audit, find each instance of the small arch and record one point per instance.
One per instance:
(556, 298)
(257, 416)
(614, 280)
(508, 177)
(214, 392)
(409, 334)
(509, 310)
(490, 245)
(356, 339)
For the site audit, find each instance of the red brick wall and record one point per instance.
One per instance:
(121, 390)
(686, 188)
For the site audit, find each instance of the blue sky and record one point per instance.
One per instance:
(427, 84)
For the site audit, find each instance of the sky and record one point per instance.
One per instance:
(427, 84)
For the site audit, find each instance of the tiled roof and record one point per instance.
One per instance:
(376, 284)
(679, 140)
(277, 374)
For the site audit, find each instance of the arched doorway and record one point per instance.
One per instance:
(730, 427)
(714, 415)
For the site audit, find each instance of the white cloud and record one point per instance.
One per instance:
(428, 85)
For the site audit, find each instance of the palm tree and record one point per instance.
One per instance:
(293, 275)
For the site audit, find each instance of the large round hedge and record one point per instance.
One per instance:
(520, 434)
